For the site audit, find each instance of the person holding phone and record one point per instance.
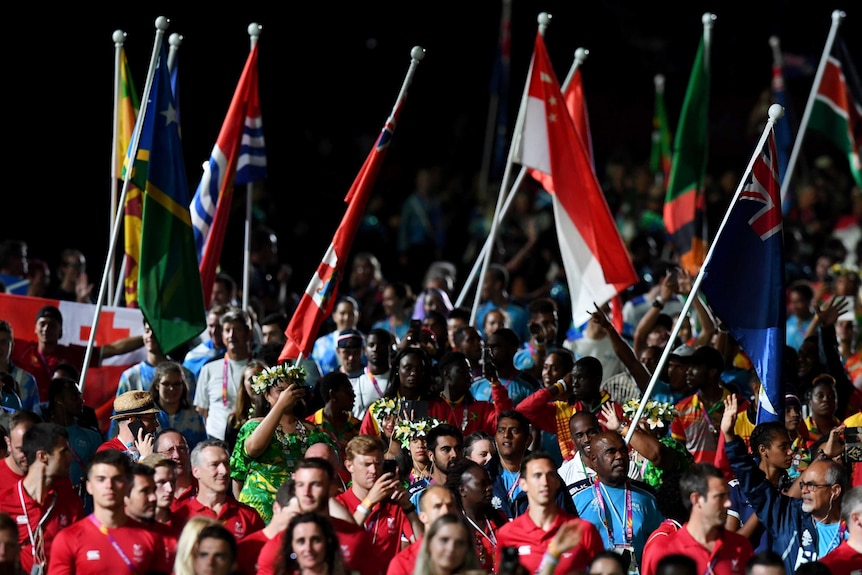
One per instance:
(135, 414)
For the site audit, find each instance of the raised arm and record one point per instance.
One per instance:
(622, 349)
(667, 289)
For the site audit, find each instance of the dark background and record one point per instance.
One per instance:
(329, 74)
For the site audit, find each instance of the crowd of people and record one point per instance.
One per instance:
(420, 437)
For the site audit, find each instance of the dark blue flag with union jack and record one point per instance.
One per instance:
(744, 278)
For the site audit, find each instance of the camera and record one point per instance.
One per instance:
(538, 332)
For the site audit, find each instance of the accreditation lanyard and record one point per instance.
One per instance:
(114, 544)
(226, 376)
(373, 381)
(608, 521)
(38, 533)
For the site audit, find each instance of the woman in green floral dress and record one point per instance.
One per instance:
(269, 445)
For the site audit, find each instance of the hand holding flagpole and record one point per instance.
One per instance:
(775, 113)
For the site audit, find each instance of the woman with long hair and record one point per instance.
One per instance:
(184, 561)
(170, 391)
(271, 443)
(310, 547)
(245, 401)
(473, 489)
(447, 548)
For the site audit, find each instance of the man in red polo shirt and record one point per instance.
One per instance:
(703, 537)
(210, 461)
(532, 531)
(311, 485)
(14, 466)
(44, 497)
(377, 500)
(434, 501)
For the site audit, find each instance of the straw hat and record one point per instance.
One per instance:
(134, 403)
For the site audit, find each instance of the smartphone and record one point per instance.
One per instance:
(509, 564)
(390, 466)
(853, 444)
(136, 426)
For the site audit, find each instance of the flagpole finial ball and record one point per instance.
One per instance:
(838, 15)
(776, 111)
(254, 29)
(162, 23)
(544, 18)
(417, 53)
(658, 80)
(118, 37)
(774, 41)
(581, 54)
(708, 18)
(175, 39)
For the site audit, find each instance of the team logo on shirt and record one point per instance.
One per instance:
(93, 555)
(238, 530)
(524, 550)
(138, 552)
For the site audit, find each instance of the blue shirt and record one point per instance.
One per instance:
(518, 389)
(645, 514)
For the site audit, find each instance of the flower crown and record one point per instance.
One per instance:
(383, 408)
(273, 374)
(408, 429)
(656, 413)
(841, 269)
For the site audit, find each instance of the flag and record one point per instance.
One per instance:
(837, 109)
(783, 137)
(128, 107)
(171, 297)
(576, 104)
(238, 157)
(685, 202)
(594, 255)
(319, 298)
(500, 88)
(744, 278)
(660, 162)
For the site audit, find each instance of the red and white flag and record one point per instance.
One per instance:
(319, 298)
(594, 255)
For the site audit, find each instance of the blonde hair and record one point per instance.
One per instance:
(184, 562)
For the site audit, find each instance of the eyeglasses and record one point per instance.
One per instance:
(177, 448)
(811, 486)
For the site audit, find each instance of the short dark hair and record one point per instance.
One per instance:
(112, 457)
(43, 436)
(277, 318)
(612, 556)
(442, 430)
(332, 381)
(676, 564)
(591, 366)
(695, 479)
(767, 558)
(450, 359)
(220, 532)
(764, 434)
(137, 468)
(535, 456)
(517, 416)
(315, 463)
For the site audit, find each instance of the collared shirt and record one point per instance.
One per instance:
(697, 430)
(82, 549)
(532, 542)
(208, 393)
(248, 552)
(387, 524)
(404, 561)
(611, 513)
(67, 509)
(729, 554)
(239, 518)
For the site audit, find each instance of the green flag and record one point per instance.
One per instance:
(169, 283)
(659, 162)
(837, 109)
(684, 216)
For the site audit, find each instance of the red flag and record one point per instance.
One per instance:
(577, 106)
(319, 298)
(594, 255)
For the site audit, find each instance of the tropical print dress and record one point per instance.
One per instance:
(263, 475)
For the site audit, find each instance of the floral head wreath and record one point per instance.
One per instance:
(383, 408)
(408, 429)
(841, 269)
(271, 375)
(656, 413)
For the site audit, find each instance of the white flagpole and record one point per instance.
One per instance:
(837, 16)
(175, 41)
(544, 20)
(580, 55)
(119, 38)
(254, 30)
(775, 113)
(162, 24)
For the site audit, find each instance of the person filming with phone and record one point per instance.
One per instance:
(135, 414)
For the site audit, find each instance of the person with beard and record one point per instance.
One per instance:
(377, 500)
(805, 528)
(471, 485)
(703, 536)
(444, 444)
(142, 503)
(210, 462)
(270, 444)
(625, 511)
